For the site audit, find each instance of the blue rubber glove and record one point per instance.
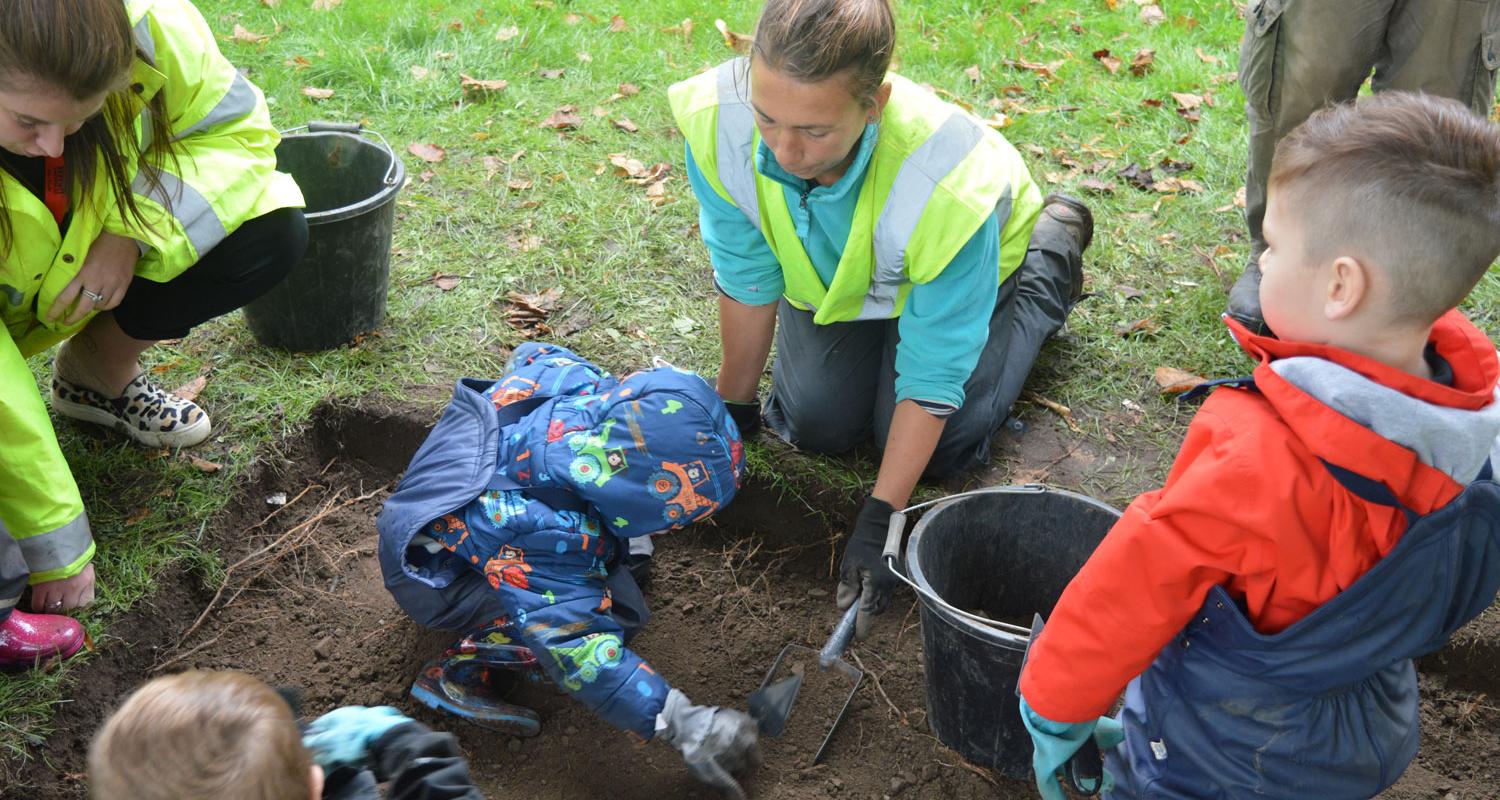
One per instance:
(342, 737)
(1056, 742)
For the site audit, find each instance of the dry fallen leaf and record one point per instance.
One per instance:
(1177, 185)
(446, 283)
(528, 313)
(419, 72)
(316, 93)
(474, 87)
(492, 166)
(1144, 326)
(525, 243)
(1152, 14)
(617, 24)
(244, 36)
(1109, 62)
(137, 515)
(1205, 57)
(1144, 60)
(1096, 185)
(204, 465)
(738, 42)
(190, 390)
(563, 119)
(518, 184)
(1176, 381)
(1048, 71)
(507, 33)
(585, 57)
(624, 124)
(657, 194)
(270, 3)
(571, 19)
(297, 62)
(426, 176)
(552, 74)
(685, 28)
(430, 153)
(325, 5)
(1186, 101)
(973, 73)
(1239, 197)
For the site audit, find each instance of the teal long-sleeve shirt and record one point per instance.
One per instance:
(945, 323)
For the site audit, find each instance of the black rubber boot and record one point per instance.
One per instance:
(1244, 299)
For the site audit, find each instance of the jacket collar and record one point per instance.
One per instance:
(1340, 440)
(1476, 367)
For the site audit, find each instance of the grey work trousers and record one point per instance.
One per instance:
(1300, 55)
(834, 385)
(13, 574)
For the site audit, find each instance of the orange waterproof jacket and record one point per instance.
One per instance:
(1249, 505)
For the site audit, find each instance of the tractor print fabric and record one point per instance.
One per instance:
(609, 458)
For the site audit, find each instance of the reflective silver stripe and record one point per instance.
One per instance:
(57, 548)
(915, 182)
(735, 136)
(13, 570)
(143, 38)
(239, 101)
(1002, 211)
(7, 603)
(192, 210)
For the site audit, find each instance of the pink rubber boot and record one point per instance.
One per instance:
(29, 639)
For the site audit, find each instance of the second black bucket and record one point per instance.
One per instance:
(338, 290)
(1006, 554)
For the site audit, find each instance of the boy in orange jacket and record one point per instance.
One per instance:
(1327, 519)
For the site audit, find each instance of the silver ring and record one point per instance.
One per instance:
(57, 605)
(95, 296)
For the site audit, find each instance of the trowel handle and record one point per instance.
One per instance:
(838, 642)
(893, 531)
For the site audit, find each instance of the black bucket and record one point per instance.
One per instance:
(337, 291)
(1005, 554)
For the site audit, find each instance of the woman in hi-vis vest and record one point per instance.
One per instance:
(909, 258)
(138, 198)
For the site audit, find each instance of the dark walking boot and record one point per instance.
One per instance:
(1071, 215)
(1244, 299)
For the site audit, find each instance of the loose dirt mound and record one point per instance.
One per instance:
(305, 607)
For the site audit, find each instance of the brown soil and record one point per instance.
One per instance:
(725, 598)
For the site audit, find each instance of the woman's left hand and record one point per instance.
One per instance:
(101, 282)
(60, 596)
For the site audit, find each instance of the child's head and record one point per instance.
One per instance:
(220, 735)
(817, 77)
(1382, 215)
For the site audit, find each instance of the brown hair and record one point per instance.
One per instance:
(220, 735)
(1408, 183)
(84, 48)
(812, 40)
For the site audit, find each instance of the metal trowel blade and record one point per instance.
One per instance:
(771, 705)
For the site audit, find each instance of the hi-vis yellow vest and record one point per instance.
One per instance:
(937, 173)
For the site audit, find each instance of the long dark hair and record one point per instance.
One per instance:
(85, 48)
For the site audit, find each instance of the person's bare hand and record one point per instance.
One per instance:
(101, 282)
(59, 596)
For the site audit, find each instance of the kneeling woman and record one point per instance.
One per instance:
(138, 198)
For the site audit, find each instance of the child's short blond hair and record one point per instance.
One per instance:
(1408, 183)
(218, 735)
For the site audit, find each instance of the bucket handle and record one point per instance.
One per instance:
(892, 551)
(354, 129)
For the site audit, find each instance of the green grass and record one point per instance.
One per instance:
(634, 277)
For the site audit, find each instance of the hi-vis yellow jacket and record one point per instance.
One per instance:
(936, 175)
(226, 175)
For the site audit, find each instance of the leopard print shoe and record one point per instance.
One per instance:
(144, 412)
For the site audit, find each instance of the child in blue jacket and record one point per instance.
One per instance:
(510, 524)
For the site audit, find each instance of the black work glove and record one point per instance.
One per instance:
(746, 416)
(863, 574)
